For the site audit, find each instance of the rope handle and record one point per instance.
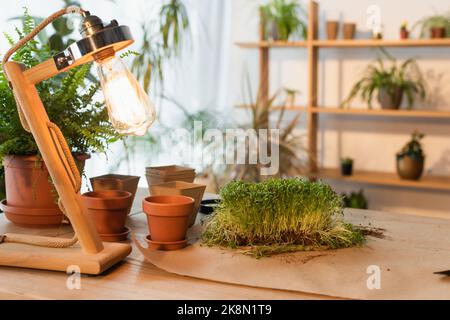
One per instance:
(39, 28)
(73, 169)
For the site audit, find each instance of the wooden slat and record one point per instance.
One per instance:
(383, 43)
(385, 113)
(427, 182)
(272, 44)
(313, 58)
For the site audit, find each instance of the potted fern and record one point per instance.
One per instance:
(281, 19)
(71, 105)
(411, 159)
(391, 81)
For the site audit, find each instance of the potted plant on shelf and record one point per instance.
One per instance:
(279, 215)
(281, 19)
(346, 166)
(404, 33)
(437, 26)
(71, 105)
(411, 159)
(391, 83)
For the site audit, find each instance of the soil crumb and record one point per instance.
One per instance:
(372, 232)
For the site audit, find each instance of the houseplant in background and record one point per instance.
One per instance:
(391, 82)
(279, 215)
(411, 159)
(71, 105)
(290, 144)
(436, 26)
(282, 19)
(355, 200)
(346, 166)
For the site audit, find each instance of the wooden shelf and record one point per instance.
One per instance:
(402, 113)
(363, 43)
(382, 43)
(386, 179)
(384, 113)
(272, 44)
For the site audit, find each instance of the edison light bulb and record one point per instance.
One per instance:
(129, 108)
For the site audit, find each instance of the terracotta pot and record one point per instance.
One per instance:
(29, 192)
(410, 168)
(390, 102)
(158, 175)
(168, 217)
(31, 197)
(404, 33)
(116, 182)
(182, 188)
(109, 210)
(332, 30)
(436, 33)
(349, 30)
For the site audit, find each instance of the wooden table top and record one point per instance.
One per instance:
(134, 278)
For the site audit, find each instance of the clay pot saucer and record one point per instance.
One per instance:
(116, 237)
(165, 246)
(32, 217)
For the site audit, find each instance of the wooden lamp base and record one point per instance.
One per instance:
(59, 259)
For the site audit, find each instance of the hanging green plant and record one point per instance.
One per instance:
(280, 215)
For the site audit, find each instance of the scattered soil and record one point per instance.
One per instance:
(372, 232)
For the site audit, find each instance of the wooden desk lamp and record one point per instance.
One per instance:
(130, 112)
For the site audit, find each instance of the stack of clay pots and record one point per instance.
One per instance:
(158, 175)
(172, 206)
(110, 203)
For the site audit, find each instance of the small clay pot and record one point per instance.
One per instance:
(332, 30)
(404, 33)
(349, 30)
(192, 190)
(108, 209)
(116, 182)
(437, 32)
(390, 102)
(168, 217)
(410, 168)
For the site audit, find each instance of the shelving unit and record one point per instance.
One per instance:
(312, 44)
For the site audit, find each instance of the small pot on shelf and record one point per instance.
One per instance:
(390, 98)
(168, 218)
(109, 209)
(410, 167)
(332, 29)
(437, 32)
(347, 167)
(116, 182)
(349, 30)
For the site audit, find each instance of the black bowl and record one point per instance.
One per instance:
(208, 206)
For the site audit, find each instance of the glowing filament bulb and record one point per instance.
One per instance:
(129, 107)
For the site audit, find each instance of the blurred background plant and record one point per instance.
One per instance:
(283, 19)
